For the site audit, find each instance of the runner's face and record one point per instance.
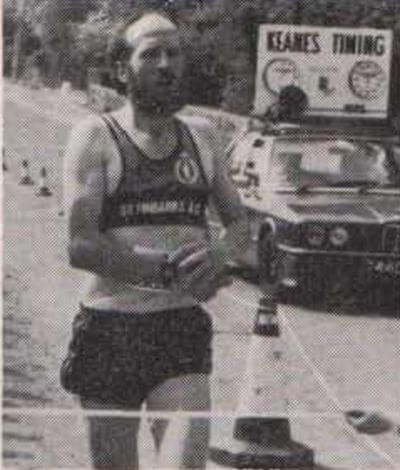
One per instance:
(155, 73)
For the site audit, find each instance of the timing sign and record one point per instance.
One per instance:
(343, 71)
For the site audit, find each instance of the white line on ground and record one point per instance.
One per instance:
(77, 412)
(323, 383)
(15, 148)
(321, 380)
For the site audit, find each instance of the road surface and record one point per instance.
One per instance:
(332, 361)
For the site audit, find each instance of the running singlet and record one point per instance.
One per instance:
(172, 191)
(157, 204)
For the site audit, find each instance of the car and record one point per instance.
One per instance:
(323, 204)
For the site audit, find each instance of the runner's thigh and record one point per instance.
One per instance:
(183, 441)
(187, 392)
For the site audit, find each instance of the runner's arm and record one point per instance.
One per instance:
(204, 271)
(230, 210)
(84, 188)
(201, 271)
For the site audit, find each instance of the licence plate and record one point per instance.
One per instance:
(388, 267)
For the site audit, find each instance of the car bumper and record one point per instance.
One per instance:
(299, 266)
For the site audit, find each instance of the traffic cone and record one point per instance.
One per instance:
(25, 176)
(4, 164)
(43, 189)
(255, 440)
(60, 197)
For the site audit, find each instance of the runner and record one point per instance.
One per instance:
(138, 183)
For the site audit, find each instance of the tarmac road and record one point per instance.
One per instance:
(332, 361)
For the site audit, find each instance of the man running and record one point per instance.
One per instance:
(138, 184)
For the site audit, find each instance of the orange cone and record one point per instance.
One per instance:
(260, 436)
(60, 197)
(43, 189)
(4, 164)
(25, 176)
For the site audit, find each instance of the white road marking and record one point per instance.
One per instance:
(321, 380)
(77, 412)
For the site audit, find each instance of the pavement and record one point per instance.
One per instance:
(331, 361)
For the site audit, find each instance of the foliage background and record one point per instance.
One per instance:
(62, 39)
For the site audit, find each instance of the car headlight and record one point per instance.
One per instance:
(338, 236)
(315, 235)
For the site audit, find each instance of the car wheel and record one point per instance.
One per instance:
(269, 266)
(268, 257)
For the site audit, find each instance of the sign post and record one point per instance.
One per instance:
(345, 72)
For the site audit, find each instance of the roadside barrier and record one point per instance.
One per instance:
(25, 176)
(260, 436)
(43, 189)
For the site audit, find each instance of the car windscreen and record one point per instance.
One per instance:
(330, 162)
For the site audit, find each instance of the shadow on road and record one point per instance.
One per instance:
(371, 301)
(374, 299)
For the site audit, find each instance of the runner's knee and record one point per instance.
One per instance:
(113, 439)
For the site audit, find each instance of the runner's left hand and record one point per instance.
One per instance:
(202, 271)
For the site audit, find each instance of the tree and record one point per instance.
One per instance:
(220, 36)
(20, 40)
(56, 23)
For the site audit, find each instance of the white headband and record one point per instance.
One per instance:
(148, 25)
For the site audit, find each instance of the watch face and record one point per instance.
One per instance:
(279, 73)
(367, 80)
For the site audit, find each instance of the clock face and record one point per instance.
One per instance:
(279, 73)
(367, 80)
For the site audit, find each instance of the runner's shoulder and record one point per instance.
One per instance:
(200, 124)
(90, 128)
(87, 146)
(205, 134)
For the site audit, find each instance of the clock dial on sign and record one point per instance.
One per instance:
(367, 80)
(280, 73)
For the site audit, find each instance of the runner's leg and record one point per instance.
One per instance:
(113, 440)
(183, 442)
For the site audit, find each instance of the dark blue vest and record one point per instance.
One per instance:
(172, 191)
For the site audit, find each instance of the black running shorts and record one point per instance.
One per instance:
(118, 358)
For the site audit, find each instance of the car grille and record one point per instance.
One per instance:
(391, 238)
(373, 239)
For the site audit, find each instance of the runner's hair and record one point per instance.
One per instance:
(119, 49)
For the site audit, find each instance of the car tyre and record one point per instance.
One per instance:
(269, 266)
(268, 257)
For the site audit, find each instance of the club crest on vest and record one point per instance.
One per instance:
(186, 169)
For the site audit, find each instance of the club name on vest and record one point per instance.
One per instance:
(175, 206)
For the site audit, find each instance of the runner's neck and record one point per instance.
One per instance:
(156, 136)
(154, 126)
